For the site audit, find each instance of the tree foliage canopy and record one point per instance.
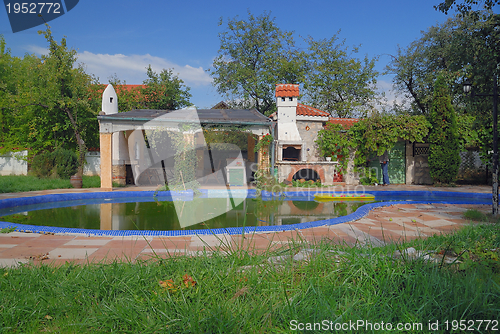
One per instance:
(164, 91)
(50, 102)
(458, 48)
(337, 82)
(255, 55)
(462, 47)
(467, 6)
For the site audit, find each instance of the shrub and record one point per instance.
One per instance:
(61, 162)
(66, 163)
(444, 150)
(370, 178)
(42, 164)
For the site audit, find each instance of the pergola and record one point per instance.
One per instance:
(117, 131)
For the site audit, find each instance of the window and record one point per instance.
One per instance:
(283, 99)
(290, 99)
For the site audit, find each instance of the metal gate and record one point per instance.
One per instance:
(397, 164)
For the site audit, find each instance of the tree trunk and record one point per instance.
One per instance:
(81, 144)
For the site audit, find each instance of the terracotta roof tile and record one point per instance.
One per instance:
(346, 122)
(120, 88)
(287, 90)
(304, 110)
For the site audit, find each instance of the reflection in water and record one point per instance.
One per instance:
(162, 215)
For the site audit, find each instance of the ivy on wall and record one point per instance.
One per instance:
(371, 135)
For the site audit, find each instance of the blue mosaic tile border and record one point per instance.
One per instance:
(433, 197)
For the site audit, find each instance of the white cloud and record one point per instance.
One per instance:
(37, 50)
(132, 68)
(390, 95)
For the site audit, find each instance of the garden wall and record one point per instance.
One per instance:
(14, 163)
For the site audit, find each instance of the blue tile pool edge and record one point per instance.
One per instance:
(188, 195)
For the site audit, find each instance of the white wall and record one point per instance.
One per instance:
(12, 163)
(93, 165)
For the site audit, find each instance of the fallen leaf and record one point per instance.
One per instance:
(188, 280)
(168, 284)
(48, 317)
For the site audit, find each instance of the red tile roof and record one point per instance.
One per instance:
(304, 110)
(120, 88)
(346, 122)
(129, 87)
(287, 90)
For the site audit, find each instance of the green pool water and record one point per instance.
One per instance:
(161, 215)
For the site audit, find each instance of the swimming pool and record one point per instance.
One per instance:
(384, 198)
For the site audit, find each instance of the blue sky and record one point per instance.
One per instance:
(124, 36)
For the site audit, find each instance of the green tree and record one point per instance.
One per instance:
(466, 7)
(441, 49)
(53, 105)
(164, 91)
(7, 90)
(458, 48)
(337, 82)
(444, 150)
(254, 56)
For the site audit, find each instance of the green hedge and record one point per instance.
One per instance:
(62, 163)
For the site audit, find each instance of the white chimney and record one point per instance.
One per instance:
(110, 107)
(109, 101)
(286, 102)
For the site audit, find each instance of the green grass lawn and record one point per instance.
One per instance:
(20, 183)
(241, 292)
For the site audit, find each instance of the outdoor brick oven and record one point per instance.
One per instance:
(297, 155)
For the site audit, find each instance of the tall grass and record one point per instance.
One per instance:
(20, 183)
(241, 292)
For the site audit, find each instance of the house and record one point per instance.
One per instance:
(294, 156)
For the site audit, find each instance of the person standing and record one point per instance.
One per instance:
(384, 163)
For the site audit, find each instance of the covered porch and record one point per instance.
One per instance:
(137, 146)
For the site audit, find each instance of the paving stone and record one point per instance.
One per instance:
(12, 262)
(71, 253)
(89, 242)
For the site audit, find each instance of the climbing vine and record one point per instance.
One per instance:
(265, 141)
(217, 137)
(371, 135)
(185, 160)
